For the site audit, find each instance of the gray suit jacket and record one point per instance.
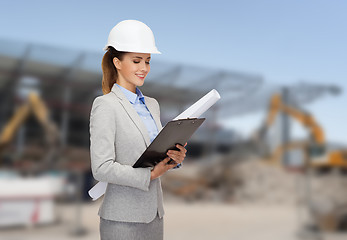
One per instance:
(118, 137)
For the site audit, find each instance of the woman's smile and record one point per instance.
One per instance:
(141, 76)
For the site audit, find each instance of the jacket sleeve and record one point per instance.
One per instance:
(105, 167)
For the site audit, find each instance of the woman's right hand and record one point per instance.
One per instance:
(161, 168)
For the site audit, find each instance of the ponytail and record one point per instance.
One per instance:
(109, 71)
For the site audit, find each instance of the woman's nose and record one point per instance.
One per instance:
(144, 67)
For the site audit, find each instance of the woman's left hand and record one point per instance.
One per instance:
(178, 156)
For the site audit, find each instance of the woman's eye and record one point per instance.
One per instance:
(136, 62)
(147, 63)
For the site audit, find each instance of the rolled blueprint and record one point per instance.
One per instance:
(201, 106)
(194, 111)
(98, 190)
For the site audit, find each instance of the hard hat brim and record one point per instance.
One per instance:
(152, 51)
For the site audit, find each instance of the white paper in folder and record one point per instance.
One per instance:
(194, 111)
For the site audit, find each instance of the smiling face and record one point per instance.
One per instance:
(132, 69)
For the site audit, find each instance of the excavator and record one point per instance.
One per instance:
(34, 104)
(315, 151)
(316, 157)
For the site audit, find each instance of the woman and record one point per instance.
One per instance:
(123, 123)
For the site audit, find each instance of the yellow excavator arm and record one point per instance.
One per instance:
(277, 105)
(315, 147)
(10, 129)
(39, 109)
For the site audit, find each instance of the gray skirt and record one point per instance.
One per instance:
(114, 230)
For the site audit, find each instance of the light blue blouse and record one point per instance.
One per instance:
(138, 101)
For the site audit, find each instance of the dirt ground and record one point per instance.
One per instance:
(182, 221)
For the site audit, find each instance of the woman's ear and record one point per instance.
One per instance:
(117, 63)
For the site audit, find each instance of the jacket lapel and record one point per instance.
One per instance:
(152, 111)
(132, 113)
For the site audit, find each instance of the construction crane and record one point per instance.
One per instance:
(36, 105)
(315, 150)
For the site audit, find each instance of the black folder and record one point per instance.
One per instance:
(174, 132)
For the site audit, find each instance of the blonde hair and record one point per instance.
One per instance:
(109, 71)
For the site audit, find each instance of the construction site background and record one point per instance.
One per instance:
(264, 164)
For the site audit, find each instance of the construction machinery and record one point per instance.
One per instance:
(315, 150)
(29, 200)
(324, 212)
(36, 105)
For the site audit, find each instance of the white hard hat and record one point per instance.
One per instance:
(132, 36)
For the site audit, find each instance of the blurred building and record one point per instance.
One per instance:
(67, 81)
